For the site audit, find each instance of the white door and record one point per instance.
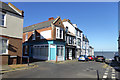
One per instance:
(60, 53)
(70, 54)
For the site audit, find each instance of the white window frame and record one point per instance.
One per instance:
(62, 34)
(26, 36)
(7, 47)
(33, 37)
(58, 33)
(3, 19)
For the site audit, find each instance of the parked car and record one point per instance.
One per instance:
(90, 58)
(94, 57)
(83, 58)
(100, 59)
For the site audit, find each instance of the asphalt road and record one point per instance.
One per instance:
(65, 70)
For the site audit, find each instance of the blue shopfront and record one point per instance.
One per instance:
(46, 50)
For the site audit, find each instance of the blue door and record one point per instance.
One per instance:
(53, 52)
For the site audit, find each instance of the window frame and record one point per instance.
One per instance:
(26, 36)
(3, 19)
(34, 36)
(6, 46)
(59, 31)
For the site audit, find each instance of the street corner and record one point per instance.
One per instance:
(18, 67)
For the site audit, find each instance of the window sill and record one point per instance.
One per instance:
(4, 54)
(3, 26)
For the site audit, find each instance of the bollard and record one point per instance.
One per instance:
(56, 59)
(97, 75)
(28, 61)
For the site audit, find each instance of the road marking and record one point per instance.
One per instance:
(113, 74)
(105, 76)
(106, 73)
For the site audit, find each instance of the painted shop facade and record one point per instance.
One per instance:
(45, 40)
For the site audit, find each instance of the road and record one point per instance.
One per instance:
(66, 70)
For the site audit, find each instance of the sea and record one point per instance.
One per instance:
(106, 54)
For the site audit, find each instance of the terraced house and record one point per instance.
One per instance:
(45, 40)
(11, 32)
(91, 51)
(85, 46)
(73, 40)
(79, 40)
(70, 39)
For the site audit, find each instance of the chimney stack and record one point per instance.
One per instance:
(52, 18)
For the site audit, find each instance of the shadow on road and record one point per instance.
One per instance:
(114, 64)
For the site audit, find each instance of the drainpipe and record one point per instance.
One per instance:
(56, 58)
(28, 60)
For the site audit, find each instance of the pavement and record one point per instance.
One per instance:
(10, 68)
(67, 69)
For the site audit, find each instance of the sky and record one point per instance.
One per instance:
(97, 20)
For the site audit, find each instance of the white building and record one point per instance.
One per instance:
(73, 29)
(91, 51)
(85, 46)
(70, 40)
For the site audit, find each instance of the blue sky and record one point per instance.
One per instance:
(97, 20)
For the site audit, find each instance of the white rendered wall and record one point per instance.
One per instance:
(46, 34)
(70, 27)
(13, 26)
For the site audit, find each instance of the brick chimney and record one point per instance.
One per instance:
(52, 18)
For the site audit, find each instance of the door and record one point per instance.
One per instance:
(60, 53)
(52, 52)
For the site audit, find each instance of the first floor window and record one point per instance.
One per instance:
(3, 46)
(2, 19)
(59, 33)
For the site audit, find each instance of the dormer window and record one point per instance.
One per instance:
(33, 37)
(2, 19)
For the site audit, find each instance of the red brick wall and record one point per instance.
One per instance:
(4, 59)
